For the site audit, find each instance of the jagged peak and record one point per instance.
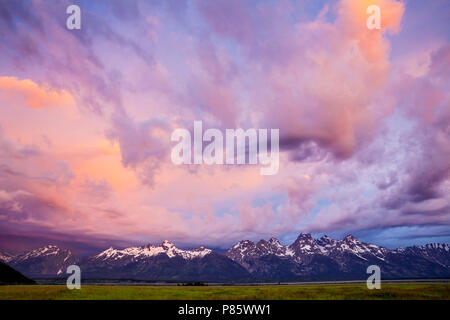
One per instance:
(434, 246)
(350, 237)
(274, 241)
(244, 242)
(326, 238)
(304, 237)
(6, 256)
(149, 250)
(106, 251)
(326, 241)
(49, 247)
(201, 248)
(167, 243)
(46, 247)
(45, 251)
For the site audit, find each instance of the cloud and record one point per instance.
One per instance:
(143, 146)
(67, 59)
(364, 136)
(34, 96)
(324, 80)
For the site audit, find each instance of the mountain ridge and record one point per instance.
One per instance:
(306, 258)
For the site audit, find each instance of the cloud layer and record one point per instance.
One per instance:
(87, 117)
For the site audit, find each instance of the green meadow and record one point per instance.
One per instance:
(277, 292)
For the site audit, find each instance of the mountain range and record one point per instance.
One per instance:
(306, 259)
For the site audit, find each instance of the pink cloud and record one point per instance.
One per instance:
(34, 96)
(359, 130)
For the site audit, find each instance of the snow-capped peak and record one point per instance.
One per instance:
(50, 258)
(5, 256)
(436, 246)
(247, 248)
(305, 237)
(150, 250)
(305, 246)
(326, 241)
(167, 244)
(351, 239)
(49, 250)
(275, 241)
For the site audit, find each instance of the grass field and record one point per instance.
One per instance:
(296, 292)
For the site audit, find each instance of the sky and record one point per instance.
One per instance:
(87, 117)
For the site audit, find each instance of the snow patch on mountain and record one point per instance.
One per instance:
(5, 256)
(48, 250)
(150, 250)
(303, 247)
